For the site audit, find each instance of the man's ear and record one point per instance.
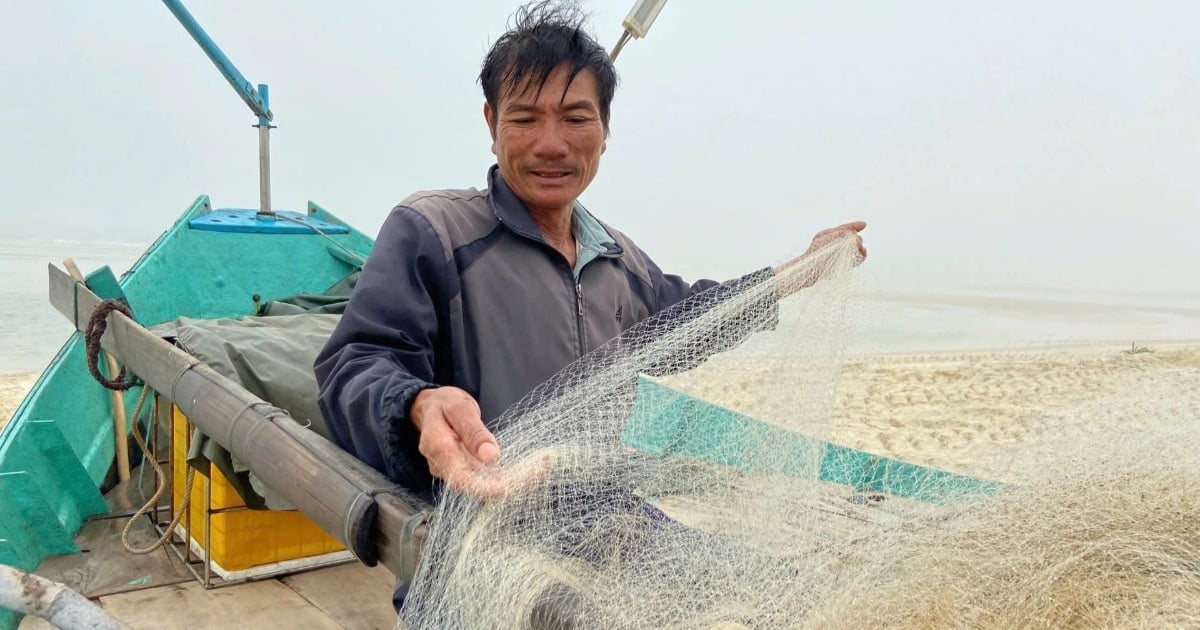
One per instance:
(490, 118)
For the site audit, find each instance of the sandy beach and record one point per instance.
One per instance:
(992, 414)
(979, 413)
(961, 411)
(13, 388)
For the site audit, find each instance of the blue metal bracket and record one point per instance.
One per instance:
(250, 221)
(257, 102)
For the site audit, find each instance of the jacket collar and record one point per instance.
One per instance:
(513, 213)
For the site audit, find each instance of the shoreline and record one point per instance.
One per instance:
(1079, 347)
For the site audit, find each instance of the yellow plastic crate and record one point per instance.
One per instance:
(244, 538)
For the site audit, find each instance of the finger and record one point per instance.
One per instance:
(481, 484)
(463, 416)
(495, 483)
(448, 461)
(464, 477)
(440, 446)
(832, 234)
(530, 471)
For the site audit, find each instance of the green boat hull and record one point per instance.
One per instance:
(58, 448)
(666, 421)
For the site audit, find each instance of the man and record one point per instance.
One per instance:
(471, 299)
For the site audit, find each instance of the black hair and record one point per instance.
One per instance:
(543, 36)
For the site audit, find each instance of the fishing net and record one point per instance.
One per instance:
(730, 464)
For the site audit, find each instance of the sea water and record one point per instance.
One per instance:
(31, 331)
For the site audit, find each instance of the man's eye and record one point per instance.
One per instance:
(522, 121)
(577, 120)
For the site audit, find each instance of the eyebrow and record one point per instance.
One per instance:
(515, 108)
(580, 105)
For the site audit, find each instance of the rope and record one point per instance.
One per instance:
(96, 326)
(349, 252)
(162, 486)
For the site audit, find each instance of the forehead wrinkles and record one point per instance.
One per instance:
(533, 84)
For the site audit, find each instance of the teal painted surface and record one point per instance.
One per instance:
(58, 447)
(64, 393)
(104, 284)
(213, 274)
(37, 532)
(283, 221)
(665, 421)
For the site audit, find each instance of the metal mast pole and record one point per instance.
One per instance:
(264, 158)
(257, 100)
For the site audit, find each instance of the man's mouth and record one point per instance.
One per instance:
(550, 174)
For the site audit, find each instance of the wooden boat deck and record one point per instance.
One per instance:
(155, 590)
(348, 596)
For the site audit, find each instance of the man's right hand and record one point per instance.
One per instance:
(455, 442)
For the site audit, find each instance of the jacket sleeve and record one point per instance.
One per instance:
(671, 289)
(679, 304)
(382, 352)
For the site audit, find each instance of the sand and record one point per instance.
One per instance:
(13, 388)
(987, 414)
(984, 413)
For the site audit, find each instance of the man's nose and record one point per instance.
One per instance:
(551, 142)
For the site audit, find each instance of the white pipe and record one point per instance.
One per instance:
(64, 608)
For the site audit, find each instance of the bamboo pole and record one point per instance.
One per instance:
(120, 420)
(345, 497)
(29, 594)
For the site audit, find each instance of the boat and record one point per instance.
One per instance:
(78, 457)
(59, 467)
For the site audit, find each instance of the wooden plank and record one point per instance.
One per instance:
(29, 622)
(265, 604)
(359, 597)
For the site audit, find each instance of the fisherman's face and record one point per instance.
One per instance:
(548, 143)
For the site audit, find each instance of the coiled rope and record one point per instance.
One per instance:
(96, 326)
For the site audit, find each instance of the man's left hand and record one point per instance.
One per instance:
(823, 239)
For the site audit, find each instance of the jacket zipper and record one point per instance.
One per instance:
(579, 319)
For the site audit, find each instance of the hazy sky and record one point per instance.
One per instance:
(1001, 143)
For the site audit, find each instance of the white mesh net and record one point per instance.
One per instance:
(727, 465)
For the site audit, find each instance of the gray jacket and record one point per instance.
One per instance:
(462, 289)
